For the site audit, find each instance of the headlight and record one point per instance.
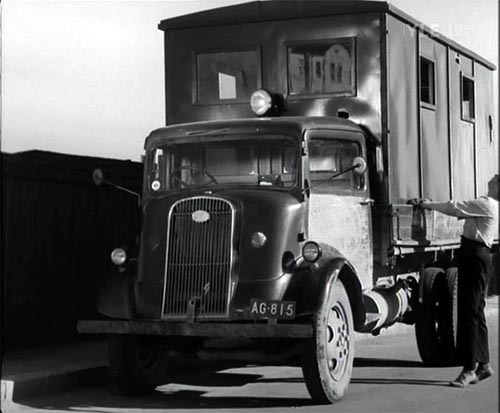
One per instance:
(118, 256)
(311, 251)
(261, 101)
(155, 185)
(258, 239)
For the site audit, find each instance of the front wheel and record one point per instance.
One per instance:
(328, 356)
(136, 364)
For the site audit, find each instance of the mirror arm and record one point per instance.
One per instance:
(124, 189)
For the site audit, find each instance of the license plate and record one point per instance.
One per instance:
(272, 309)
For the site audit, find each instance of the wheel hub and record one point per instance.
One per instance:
(338, 343)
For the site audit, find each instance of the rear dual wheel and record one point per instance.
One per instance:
(436, 321)
(327, 359)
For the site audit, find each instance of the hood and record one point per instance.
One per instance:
(278, 215)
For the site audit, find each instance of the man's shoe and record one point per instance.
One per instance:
(483, 372)
(465, 378)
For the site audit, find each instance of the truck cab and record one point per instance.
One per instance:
(230, 206)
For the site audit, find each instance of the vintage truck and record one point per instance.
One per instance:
(274, 203)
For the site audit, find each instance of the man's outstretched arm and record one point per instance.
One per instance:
(459, 209)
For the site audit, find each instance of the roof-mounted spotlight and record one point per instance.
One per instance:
(264, 103)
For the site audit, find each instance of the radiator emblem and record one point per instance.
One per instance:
(200, 216)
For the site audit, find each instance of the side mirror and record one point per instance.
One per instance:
(359, 165)
(98, 176)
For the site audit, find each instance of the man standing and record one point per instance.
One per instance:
(474, 262)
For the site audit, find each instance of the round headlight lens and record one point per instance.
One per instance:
(311, 251)
(118, 256)
(260, 102)
(258, 240)
(155, 185)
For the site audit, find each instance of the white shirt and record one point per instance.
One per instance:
(480, 214)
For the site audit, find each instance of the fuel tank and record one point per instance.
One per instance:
(385, 305)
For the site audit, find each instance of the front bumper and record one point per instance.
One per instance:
(171, 329)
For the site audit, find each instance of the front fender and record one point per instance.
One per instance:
(310, 284)
(116, 297)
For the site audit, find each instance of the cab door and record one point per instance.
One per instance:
(340, 208)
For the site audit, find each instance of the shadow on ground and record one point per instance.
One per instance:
(373, 362)
(102, 400)
(206, 384)
(401, 381)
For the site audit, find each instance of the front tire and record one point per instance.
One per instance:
(328, 356)
(136, 364)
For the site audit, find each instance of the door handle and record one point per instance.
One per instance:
(367, 201)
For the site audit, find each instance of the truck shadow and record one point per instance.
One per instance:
(165, 398)
(413, 382)
(375, 362)
(207, 388)
(217, 387)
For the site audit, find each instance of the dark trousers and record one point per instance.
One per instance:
(472, 332)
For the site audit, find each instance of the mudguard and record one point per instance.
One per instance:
(311, 282)
(116, 297)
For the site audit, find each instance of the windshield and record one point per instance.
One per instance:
(266, 161)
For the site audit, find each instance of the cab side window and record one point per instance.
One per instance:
(331, 156)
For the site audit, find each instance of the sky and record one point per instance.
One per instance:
(85, 77)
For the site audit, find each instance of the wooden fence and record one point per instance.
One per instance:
(58, 229)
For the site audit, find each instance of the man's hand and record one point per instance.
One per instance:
(418, 202)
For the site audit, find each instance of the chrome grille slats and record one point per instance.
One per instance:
(198, 258)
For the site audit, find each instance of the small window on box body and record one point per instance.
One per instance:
(230, 76)
(427, 81)
(322, 67)
(468, 98)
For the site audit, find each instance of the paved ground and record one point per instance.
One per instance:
(388, 377)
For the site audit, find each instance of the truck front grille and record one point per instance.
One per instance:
(199, 258)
